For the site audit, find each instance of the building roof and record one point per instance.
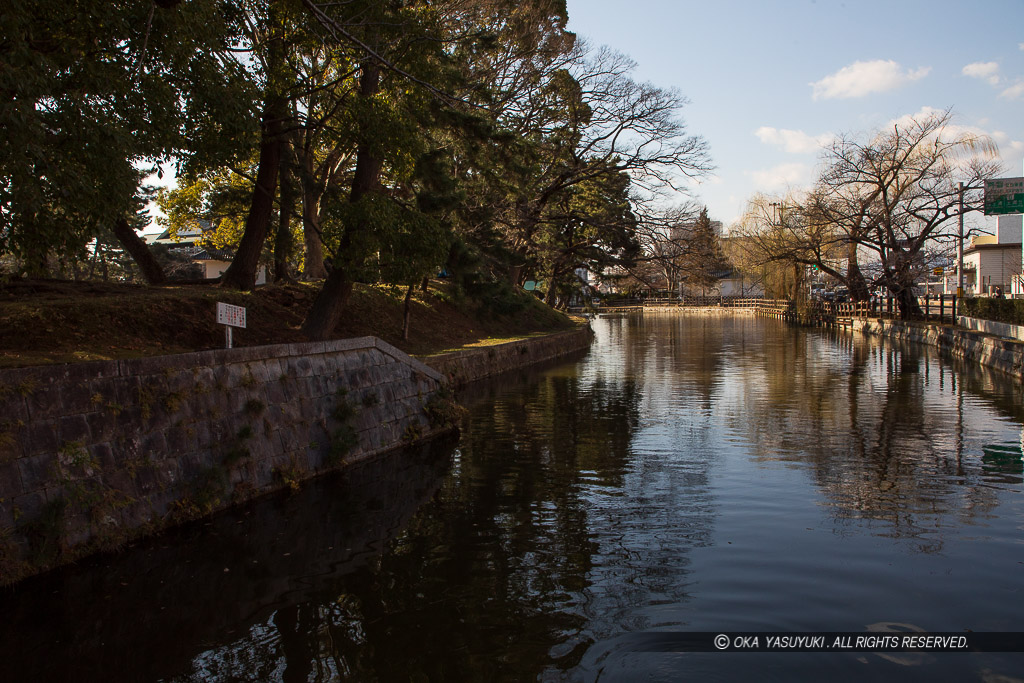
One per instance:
(992, 246)
(213, 255)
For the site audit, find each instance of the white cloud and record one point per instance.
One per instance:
(782, 177)
(793, 141)
(986, 71)
(1014, 92)
(863, 78)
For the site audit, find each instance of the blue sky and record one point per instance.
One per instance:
(768, 82)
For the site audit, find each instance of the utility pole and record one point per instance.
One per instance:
(960, 243)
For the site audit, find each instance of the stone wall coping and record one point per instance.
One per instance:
(974, 335)
(477, 350)
(1001, 354)
(992, 327)
(402, 356)
(150, 365)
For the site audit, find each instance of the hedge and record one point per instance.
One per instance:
(1000, 310)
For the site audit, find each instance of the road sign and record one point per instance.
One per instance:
(1003, 196)
(937, 270)
(230, 315)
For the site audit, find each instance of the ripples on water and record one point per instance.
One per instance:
(689, 474)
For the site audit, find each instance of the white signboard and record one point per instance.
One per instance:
(233, 316)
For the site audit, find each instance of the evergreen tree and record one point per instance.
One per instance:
(701, 263)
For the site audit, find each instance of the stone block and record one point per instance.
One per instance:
(261, 447)
(163, 503)
(128, 420)
(340, 345)
(153, 446)
(327, 385)
(304, 388)
(102, 425)
(28, 507)
(10, 480)
(300, 367)
(178, 440)
(293, 390)
(148, 479)
(320, 366)
(13, 408)
(261, 474)
(159, 420)
(275, 393)
(104, 457)
(200, 435)
(137, 514)
(38, 471)
(239, 377)
(40, 436)
(274, 369)
(74, 429)
(44, 402)
(289, 440)
(221, 380)
(123, 481)
(260, 372)
(11, 440)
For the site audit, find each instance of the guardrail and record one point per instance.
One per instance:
(942, 308)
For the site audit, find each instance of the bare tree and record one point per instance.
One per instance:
(885, 199)
(778, 237)
(900, 190)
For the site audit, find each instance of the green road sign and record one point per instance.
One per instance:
(1004, 195)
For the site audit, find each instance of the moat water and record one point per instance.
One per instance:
(689, 474)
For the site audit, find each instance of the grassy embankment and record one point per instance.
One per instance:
(45, 322)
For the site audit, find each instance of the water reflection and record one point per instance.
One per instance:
(252, 579)
(687, 474)
(880, 426)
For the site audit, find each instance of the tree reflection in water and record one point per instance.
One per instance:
(589, 501)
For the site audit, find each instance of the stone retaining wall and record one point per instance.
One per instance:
(469, 365)
(92, 454)
(1002, 354)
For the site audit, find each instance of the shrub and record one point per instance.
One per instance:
(999, 310)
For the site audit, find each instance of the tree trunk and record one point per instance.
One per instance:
(312, 195)
(325, 313)
(283, 240)
(907, 301)
(241, 274)
(855, 282)
(551, 297)
(797, 280)
(326, 310)
(137, 248)
(515, 275)
(313, 267)
(407, 312)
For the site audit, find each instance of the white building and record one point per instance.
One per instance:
(994, 261)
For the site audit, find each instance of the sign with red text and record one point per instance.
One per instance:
(233, 316)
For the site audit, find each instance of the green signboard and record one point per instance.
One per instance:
(1004, 195)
